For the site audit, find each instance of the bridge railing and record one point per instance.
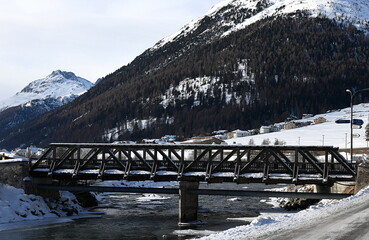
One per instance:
(201, 162)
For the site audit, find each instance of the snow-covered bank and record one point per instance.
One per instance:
(18, 207)
(266, 226)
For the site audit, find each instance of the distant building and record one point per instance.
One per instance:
(30, 152)
(319, 120)
(221, 136)
(238, 133)
(264, 129)
(151, 141)
(203, 140)
(289, 125)
(304, 116)
(275, 128)
(169, 138)
(220, 132)
(303, 124)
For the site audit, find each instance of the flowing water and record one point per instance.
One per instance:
(145, 216)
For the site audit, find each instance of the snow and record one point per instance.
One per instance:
(16, 206)
(17, 160)
(150, 198)
(204, 86)
(267, 225)
(188, 88)
(60, 85)
(354, 11)
(327, 134)
(19, 210)
(129, 125)
(11, 157)
(113, 171)
(166, 173)
(252, 175)
(195, 174)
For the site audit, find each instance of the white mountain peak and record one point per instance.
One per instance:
(251, 11)
(58, 85)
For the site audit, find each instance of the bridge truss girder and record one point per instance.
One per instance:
(211, 163)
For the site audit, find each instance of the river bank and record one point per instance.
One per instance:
(151, 216)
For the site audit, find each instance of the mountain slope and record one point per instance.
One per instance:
(41, 96)
(234, 15)
(220, 73)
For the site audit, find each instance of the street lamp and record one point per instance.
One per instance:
(352, 95)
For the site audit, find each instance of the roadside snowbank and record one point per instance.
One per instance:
(16, 206)
(267, 225)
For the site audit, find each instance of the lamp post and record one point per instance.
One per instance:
(352, 95)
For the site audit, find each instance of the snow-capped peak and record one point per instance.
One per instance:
(56, 79)
(59, 85)
(233, 15)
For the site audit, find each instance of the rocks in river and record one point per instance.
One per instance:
(86, 199)
(298, 203)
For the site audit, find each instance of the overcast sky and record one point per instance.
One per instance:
(91, 38)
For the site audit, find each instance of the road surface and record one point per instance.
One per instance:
(350, 224)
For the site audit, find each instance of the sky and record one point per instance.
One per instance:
(91, 38)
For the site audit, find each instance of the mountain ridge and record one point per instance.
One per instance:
(340, 10)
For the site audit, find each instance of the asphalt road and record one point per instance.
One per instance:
(350, 224)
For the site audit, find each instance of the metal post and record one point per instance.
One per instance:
(351, 119)
(352, 94)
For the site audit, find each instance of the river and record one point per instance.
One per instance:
(148, 216)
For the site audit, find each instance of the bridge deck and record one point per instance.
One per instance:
(211, 163)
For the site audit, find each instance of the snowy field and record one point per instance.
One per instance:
(327, 134)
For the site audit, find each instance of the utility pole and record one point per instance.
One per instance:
(352, 95)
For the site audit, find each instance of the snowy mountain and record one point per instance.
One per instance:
(244, 64)
(41, 96)
(60, 87)
(233, 15)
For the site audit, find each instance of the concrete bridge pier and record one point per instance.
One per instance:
(188, 203)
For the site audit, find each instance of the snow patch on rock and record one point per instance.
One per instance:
(16, 206)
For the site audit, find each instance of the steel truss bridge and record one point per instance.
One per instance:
(210, 163)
